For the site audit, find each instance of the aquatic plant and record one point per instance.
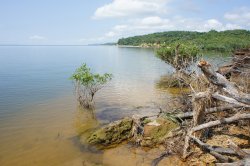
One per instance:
(87, 84)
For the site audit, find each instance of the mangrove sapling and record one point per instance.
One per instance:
(87, 84)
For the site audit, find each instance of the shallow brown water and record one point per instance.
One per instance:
(39, 117)
(42, 137)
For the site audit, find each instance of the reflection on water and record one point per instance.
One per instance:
(85, 121)
(39, 118)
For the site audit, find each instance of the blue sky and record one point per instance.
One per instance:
(100, 21)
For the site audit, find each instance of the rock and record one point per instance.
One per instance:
(112, 133)
(155, 132)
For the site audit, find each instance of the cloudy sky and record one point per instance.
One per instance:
(100, 21)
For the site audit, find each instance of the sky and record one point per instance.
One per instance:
(83, 22)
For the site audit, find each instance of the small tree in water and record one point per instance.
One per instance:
(87, 84)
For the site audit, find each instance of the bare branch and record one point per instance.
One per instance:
(221, 121)
(237, 149)
(220, 81)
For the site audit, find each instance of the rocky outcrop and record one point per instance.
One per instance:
(112, 133)
(156, 131)
(153, 133)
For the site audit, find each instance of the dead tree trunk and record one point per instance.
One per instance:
(235, 97)
(223, 84)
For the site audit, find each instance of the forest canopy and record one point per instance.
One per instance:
(210, 41)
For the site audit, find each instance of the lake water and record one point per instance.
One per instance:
(39, 116)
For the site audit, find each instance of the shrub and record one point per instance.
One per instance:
(87, 84)
(180, 56)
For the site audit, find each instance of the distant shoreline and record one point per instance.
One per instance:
(67, 45)
(40, 45)
(128, 46)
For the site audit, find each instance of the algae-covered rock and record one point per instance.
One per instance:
(112, 133)
(155, 132)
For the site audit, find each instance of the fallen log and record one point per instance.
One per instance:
(228, 151)
(229, 100)
(209, 111)
(211, 150)
(244, 162)
(221, 121)
(211, 124)
(238, 150)
(221, 82)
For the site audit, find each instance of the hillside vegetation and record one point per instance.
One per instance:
(212, 40)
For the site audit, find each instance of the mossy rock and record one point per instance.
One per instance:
(156, 134)
(112, 133)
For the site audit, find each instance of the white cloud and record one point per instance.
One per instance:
(122, 8)
(233, 26)
(157, 24)
(149, 16)
(120, 27)
(153, 21)
(37, 37)
(213, 24)
(110, 34)
(239, 16)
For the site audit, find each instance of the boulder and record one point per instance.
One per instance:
(112, 133)
(156, 131)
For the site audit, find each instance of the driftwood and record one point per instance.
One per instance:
(221, 91)
(235, 98)
(209, 111)
(245, 162)
(238, 150)
(211, 150)
(242, 153)
(189, 135)
(156, 161)
(221, 82)
(228, 151)
(234, 118)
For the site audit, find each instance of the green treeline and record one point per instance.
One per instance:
(212, 40)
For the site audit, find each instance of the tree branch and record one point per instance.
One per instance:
(221, 121)
(221, 82)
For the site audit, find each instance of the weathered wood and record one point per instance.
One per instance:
(237, 149)
(218, 149)
(208, 125)
(228, 100)
(221, 121)
(209, 111)
(221, 82)
(244, 162)
(137, 129)
(186, 146)
(156, 161)
(220, 157)
(211, 150)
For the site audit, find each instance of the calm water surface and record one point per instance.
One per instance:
(39, 117)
